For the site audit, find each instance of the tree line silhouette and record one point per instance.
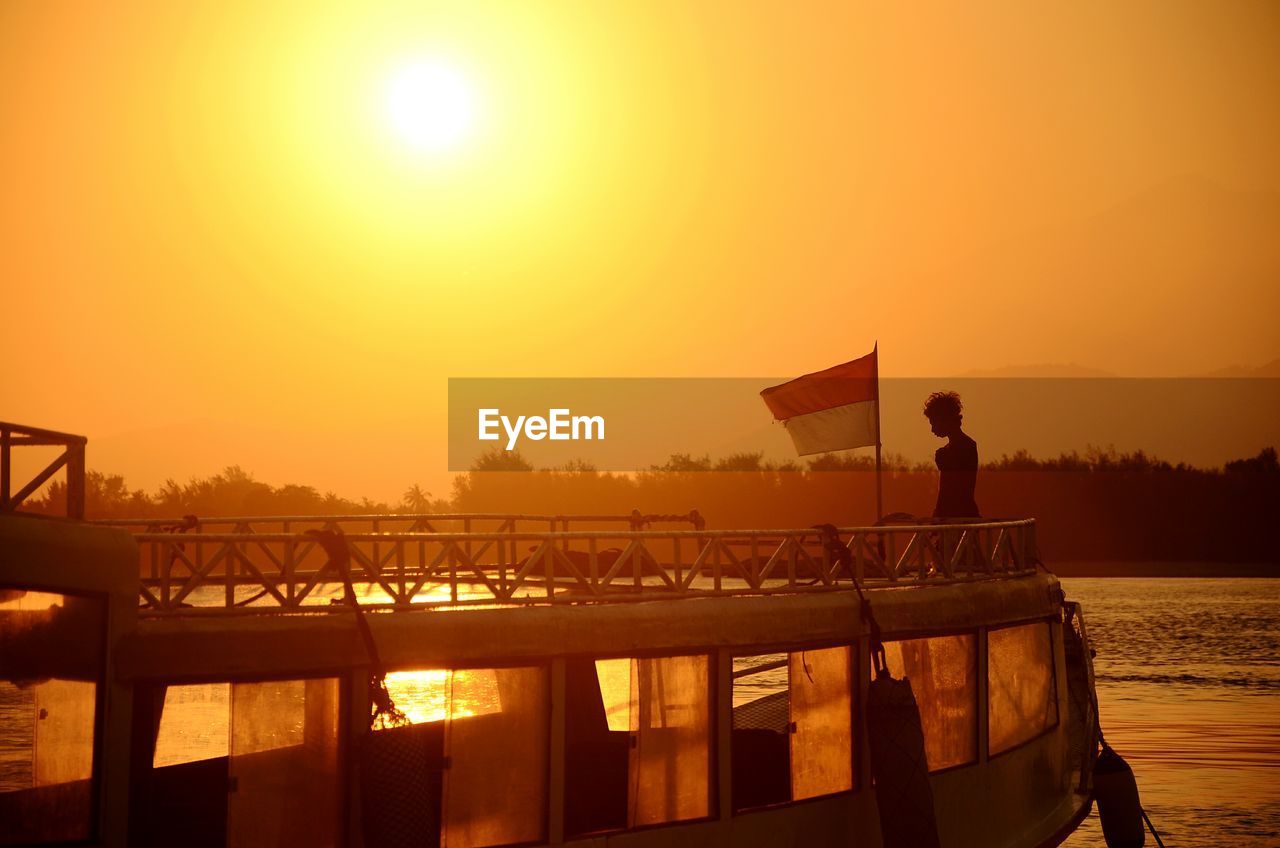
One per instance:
(1097, 506)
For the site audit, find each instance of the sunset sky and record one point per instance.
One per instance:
(219, 244)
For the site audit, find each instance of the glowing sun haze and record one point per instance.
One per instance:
(430, 104)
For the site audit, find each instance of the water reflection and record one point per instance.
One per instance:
(195, 724)
(1189, 691)
(436, 694)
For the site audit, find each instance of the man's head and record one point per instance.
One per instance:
(943, 411)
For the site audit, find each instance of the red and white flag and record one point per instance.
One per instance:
(830, 410)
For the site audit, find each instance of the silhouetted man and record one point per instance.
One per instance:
(957, 460)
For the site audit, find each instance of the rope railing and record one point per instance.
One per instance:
(182, 573)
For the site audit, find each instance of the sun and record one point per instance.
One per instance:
(430, 105)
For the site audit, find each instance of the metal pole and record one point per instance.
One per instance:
(75, 480)
(4, 471)
(875, 351)
(879, 487)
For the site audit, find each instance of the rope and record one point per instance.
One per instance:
(384, 711)
(249, 600)
(1147, 819)
(838, 551)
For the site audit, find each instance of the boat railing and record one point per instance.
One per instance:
(262, 572)
(407, 522)
(71, 458)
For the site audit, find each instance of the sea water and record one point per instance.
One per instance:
(1188, 680)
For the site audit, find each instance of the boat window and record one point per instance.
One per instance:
(943, 671)
(637, 742)
(822, 722)
(1022, 698)
(761, 740)
(792, 726)
(51, 661)
(475, 718)
(195, 724)
(249, 763)
(283, 765)
(670, 774)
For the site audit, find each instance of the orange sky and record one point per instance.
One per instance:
(208, 235)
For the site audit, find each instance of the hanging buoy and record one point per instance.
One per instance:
(1119, 809)
(899, 766)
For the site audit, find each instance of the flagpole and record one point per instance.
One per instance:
(879, 488)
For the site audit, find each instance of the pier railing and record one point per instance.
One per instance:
(194, 572)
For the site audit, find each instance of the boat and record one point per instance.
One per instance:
(627, 680)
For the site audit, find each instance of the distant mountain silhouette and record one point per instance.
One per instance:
(1069, 369)
(1269, 370)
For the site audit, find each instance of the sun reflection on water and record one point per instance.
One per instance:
(430, 695)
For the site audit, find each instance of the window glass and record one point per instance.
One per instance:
(484, 716)
(821, 722)
(227, 753)
(943, 671)
(284, 784)
(614, 677)
(670, 774)
(51, 655)
(429, 695)
(1022, 698)
(488, 805)
(195, 724)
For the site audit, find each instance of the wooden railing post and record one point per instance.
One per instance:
(75, 481)
(5, 479)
